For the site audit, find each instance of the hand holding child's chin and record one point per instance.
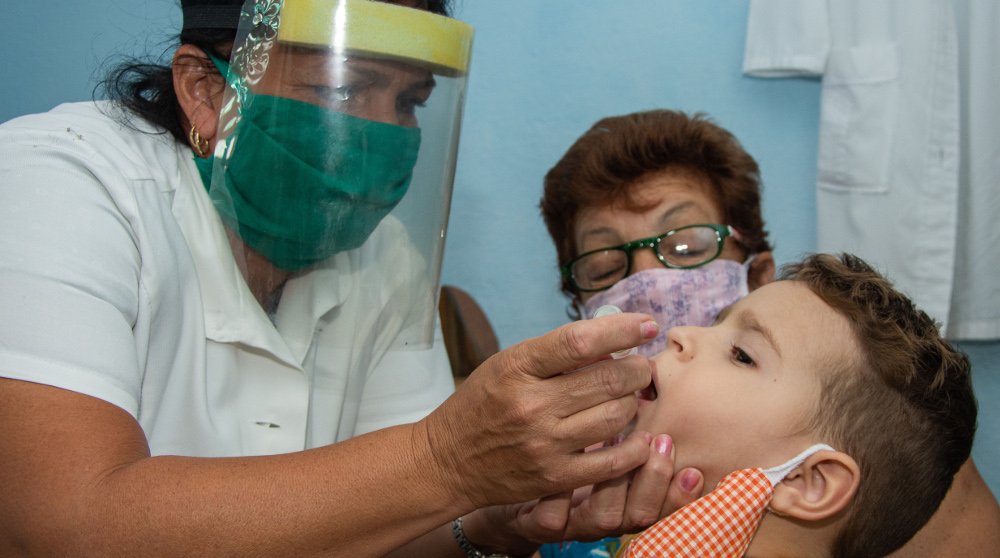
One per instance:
(626, 504)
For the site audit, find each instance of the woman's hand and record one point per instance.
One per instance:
(515, 429)
(626, 504)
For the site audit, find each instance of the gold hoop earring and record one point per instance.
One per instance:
(198, 143)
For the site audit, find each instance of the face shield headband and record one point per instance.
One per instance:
(208, 16)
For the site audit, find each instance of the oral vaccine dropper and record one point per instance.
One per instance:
(610, 310)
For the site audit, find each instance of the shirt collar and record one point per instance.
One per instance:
(231, 312)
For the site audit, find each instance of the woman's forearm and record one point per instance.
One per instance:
(76, 476)
(77, 480)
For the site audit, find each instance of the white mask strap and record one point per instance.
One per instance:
(776, 474)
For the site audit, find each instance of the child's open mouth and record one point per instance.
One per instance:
(649, 393)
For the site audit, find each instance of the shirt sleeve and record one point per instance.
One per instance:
(786, 38)
(69, 266)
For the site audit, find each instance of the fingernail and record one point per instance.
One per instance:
(689, 480)
(618, 439)
(649, 329)
(663, 444)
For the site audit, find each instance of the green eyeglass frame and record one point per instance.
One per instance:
(654, 243)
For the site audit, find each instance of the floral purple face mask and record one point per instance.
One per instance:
(676, 297)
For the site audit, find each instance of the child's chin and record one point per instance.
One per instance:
(642, 421)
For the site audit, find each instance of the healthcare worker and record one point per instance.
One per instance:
(217, 320)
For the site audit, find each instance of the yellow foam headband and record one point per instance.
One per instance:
(442, 43)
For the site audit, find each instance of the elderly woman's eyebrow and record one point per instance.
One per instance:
(675, 211)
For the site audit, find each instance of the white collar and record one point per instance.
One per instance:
(232, 313)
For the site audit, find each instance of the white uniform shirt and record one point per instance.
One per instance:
(117, 281)
(888, 166)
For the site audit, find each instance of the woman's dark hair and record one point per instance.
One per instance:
(146, 88)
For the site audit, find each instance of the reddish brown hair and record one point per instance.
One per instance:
(902, 407)
(605, 163)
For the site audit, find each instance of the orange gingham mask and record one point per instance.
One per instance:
(721, 523)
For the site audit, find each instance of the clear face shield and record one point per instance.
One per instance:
(337, 143)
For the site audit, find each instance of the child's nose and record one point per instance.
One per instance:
(680, 342)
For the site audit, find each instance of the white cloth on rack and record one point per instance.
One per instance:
(975, 312)
(889, 161)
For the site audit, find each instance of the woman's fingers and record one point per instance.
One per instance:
(638, 499)
(600, 511)
(648, 491)
(580, 343)
(545, 521)
(586, 388)
(686, 487)
(605, 509)
(529, 410)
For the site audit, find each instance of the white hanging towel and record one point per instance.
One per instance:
(888, 166)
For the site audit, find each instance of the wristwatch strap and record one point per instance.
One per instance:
(463, 543)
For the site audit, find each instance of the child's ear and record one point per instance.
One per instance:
(823, 485)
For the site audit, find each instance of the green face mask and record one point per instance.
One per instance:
(304, 182)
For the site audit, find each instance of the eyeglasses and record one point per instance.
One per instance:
(681, 248)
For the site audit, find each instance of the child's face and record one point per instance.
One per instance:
(739, 394)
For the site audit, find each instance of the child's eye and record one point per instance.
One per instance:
(740, 356)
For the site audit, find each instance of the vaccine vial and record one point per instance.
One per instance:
(610, 310)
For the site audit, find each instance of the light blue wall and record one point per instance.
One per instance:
(55, 51)
(543, 72)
